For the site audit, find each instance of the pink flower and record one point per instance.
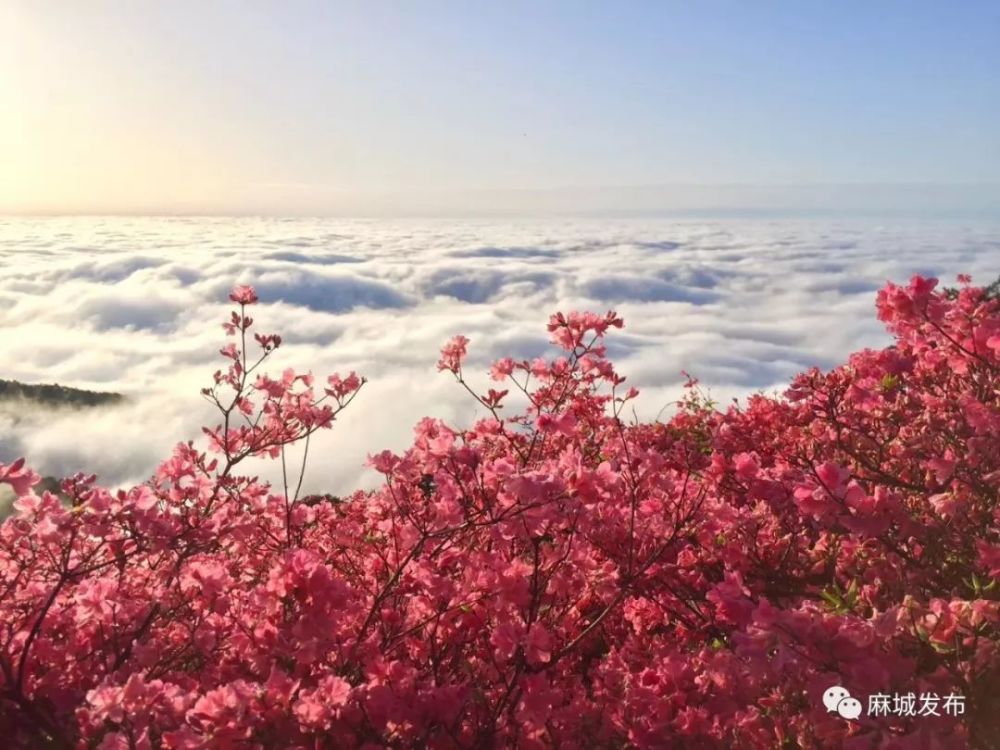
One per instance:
(833, 476)
(538, 646)
(244, 295)
(989, 558)
(311, 710)
(502, 369)
(340, 388)
(539, 368)
(746, 466)
(921, 288)
(606, 582)
(731, 599)
(18, 476)
(562, 424)
(383, 462)
(452, 354)
(505, 638)
(942, 468)
(316, 708)
(946, 504)
(336, 690)
(143, 498)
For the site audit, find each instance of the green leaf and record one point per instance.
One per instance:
(889, 382)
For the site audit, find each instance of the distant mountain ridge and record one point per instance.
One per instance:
(56, 395)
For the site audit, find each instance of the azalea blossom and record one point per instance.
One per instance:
(550, 575)
(243, 295)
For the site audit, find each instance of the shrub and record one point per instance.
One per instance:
(554, 578)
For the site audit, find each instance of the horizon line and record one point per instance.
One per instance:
(655, 199)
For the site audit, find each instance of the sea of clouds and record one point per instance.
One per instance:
(135, 306)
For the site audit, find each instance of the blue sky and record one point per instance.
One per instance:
(357, 106)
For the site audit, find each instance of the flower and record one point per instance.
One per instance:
(556, 576)
(502, 369)
(244, 295)
(18, 476)
(452, 354)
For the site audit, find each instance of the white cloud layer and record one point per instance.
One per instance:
(134, 306)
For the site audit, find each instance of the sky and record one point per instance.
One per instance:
(359, 108)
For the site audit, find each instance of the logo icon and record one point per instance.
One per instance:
(838, 700)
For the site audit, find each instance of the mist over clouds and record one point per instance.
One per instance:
(135, 306)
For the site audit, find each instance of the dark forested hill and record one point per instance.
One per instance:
(45, 397)
(55, 395)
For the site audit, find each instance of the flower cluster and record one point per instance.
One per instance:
(559, 577)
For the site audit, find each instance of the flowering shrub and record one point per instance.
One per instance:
(554, 578)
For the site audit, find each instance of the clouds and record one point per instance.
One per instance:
(633, 287)
(134, 305)
(477, 285)
(331, 293)
(136, 312)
